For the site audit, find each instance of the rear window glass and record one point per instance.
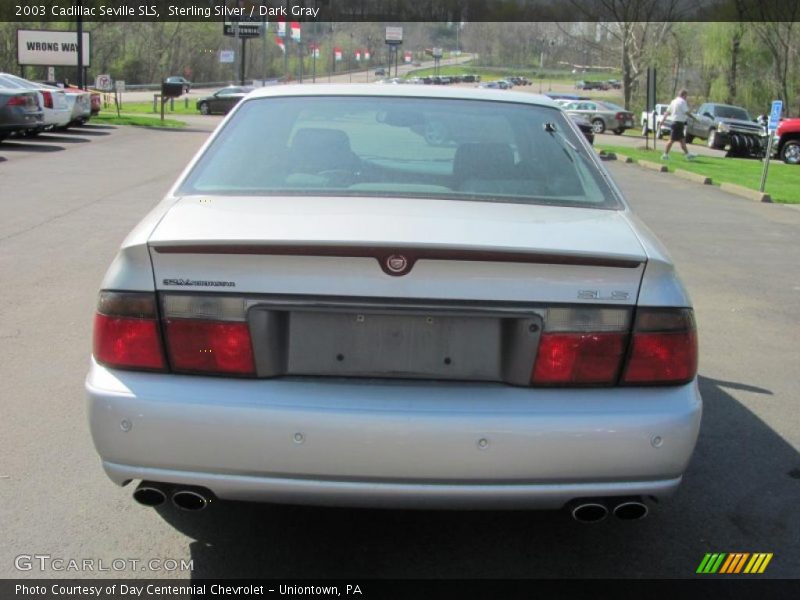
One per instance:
(389, 146)
(732, 112)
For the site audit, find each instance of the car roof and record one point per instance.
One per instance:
(399, 91)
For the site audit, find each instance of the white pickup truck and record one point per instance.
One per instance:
(657, 115)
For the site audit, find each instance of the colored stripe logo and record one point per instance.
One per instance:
(734, 563)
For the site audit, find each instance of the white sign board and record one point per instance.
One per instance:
(51, 73)
(51, 48)
(103, 83)
(227, 56)
(119, 85)
(394, 35)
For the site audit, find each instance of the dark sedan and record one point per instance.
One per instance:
(222, 101)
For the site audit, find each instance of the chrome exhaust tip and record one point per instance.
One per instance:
(589, 512)
(190, 500)
(631, 510)
(148, 493)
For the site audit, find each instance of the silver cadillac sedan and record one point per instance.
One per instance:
(326, 308)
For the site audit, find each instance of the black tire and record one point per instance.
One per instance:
(645, 129)
(619, 131)
(713, 140)
(204, 108)
(598, 126)
(790, 153)
(3, 136)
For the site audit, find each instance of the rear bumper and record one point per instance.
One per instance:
(391, 443)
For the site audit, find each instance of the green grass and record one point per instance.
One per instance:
(495, 73)
(783, 182)
(147, 108)
(109, 118)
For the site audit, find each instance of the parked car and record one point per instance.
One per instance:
(53, 101)
(591, 85)
(19, 111)
(81, 103)
(187, 85)
(602, 115)
(722, 125)
(787, 141)
(311, 317)
(614, 84)
(585, 126)
(651, 120)
(223, 100)
(380, 72)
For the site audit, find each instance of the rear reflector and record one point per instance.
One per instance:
(209, 347)
(578, 358)
(127, 343)
(663, 349)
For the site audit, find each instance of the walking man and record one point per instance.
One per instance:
(679, 111)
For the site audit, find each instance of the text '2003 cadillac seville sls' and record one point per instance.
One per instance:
(328, 309)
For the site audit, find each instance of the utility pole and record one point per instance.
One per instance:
(81, 82)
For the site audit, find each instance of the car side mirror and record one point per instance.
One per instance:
(708, 114)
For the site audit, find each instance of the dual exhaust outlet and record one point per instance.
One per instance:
(594, 511)
(192, 499)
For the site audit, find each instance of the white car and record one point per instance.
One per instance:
(328, 309)
(57, 112)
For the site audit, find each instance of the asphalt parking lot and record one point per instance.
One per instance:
(69, 200)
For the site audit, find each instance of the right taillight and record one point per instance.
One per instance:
(48, 99)
(581, 346)
(663, 348)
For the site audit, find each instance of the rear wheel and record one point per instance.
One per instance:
(598, 126)
(619, 131)
(790, 153)
(204, 109)
(645, 130)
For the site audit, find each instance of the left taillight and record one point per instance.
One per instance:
(126, 331)
(48, 99)
(208, 335)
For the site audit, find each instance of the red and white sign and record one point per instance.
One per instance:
(366, 54)
(358, 55)
(282, 28)
(337, 54)
(407, 57)
(314, 50)
(295, 31)
(280, 43)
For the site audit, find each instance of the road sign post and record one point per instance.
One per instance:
(772, 125)
(651, 108)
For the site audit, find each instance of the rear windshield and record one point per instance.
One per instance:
(388, 146)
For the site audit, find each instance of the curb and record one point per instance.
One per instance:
(744, 192)
(624, 158)
(693, 176)
(653, 166)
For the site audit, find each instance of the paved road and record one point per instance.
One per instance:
(67, 209)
